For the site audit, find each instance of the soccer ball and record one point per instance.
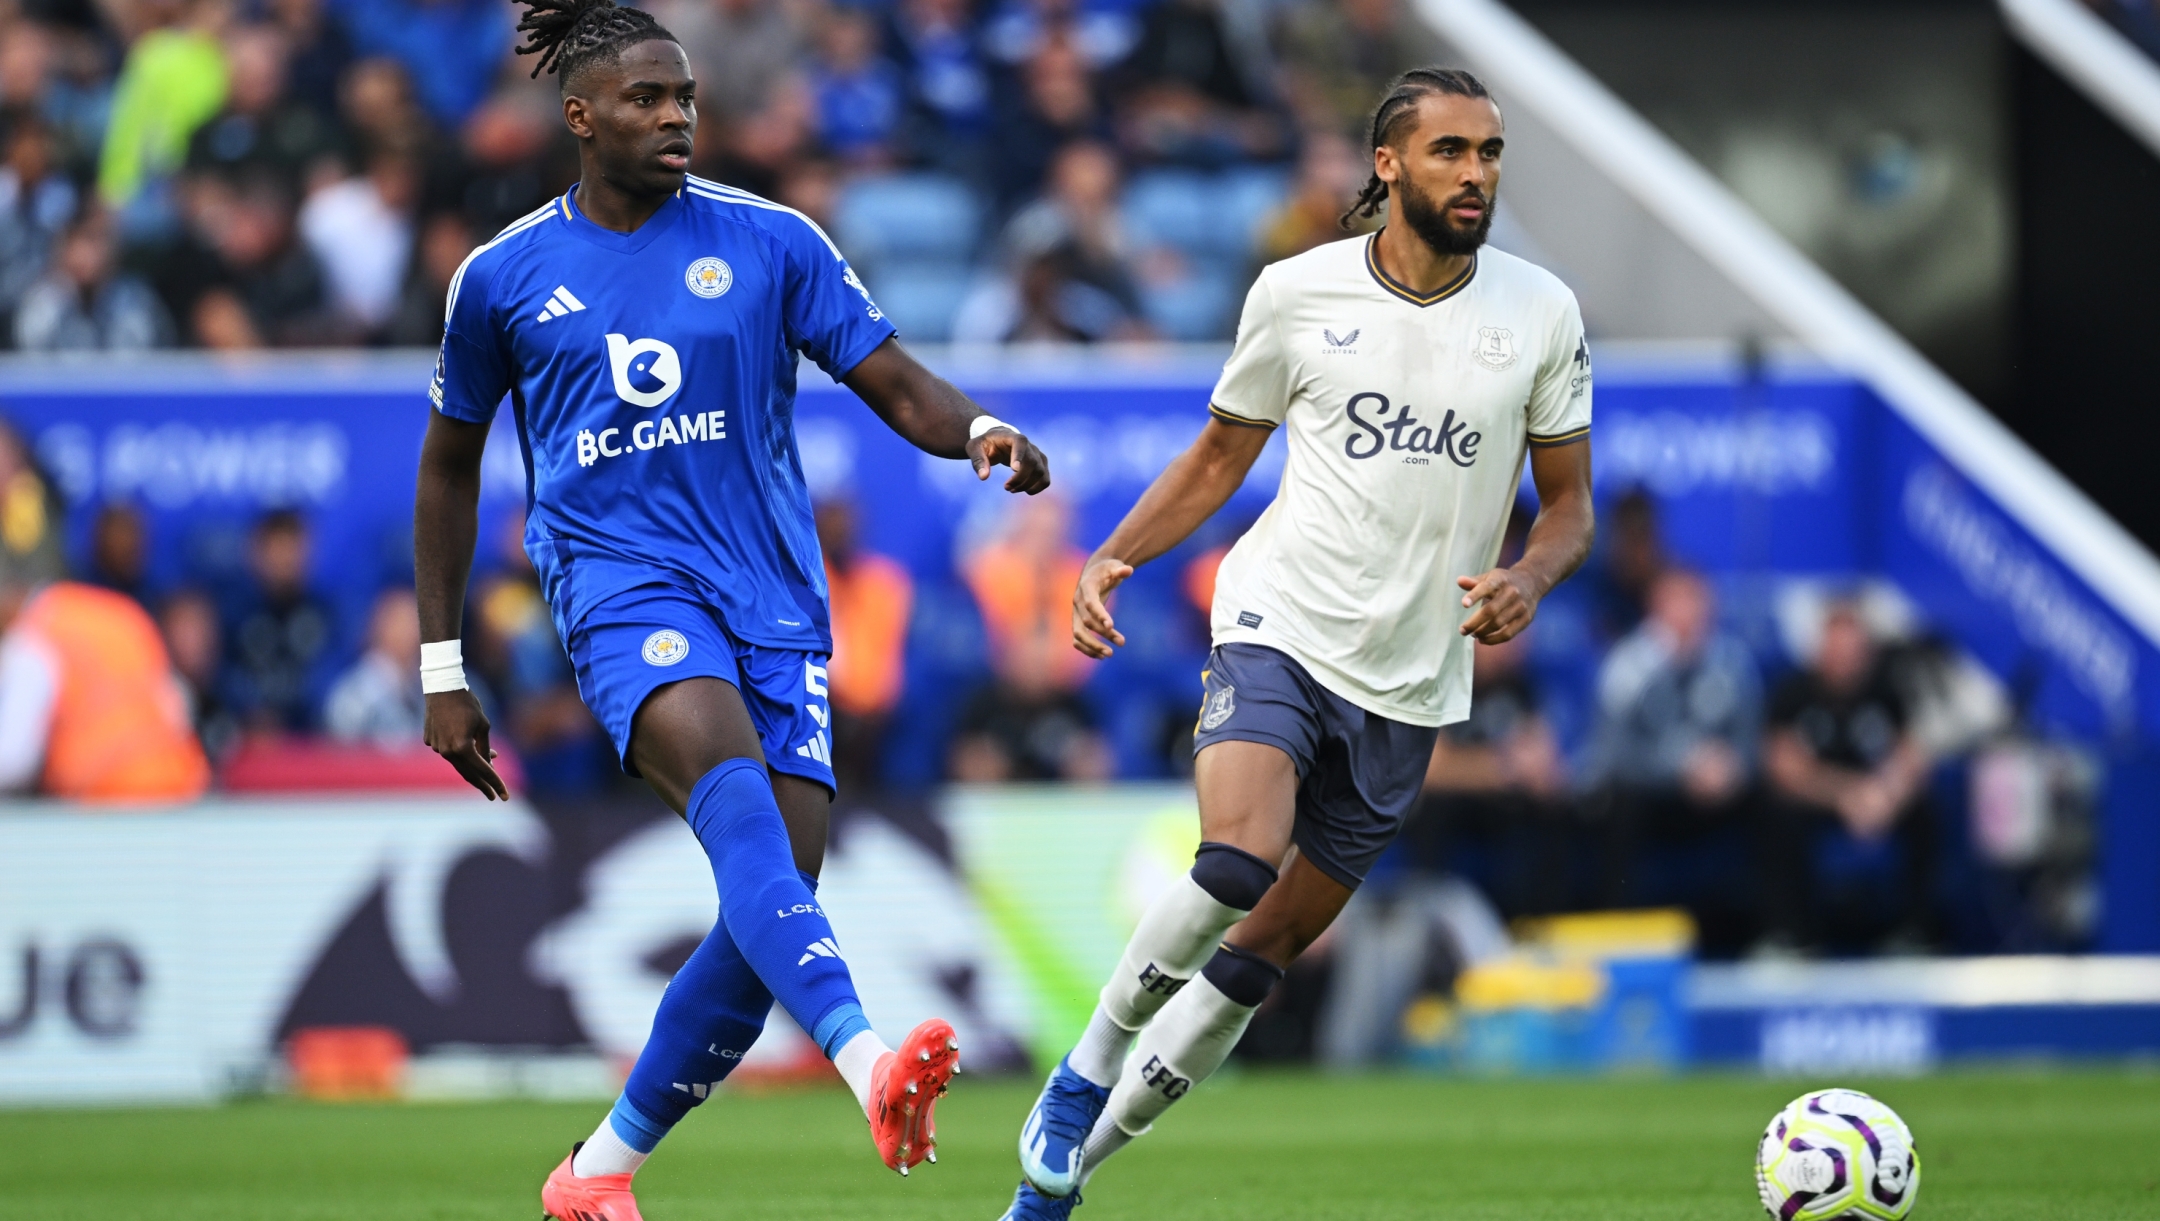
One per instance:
(1837, 1153)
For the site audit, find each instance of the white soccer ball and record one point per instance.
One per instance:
(1837, 1153)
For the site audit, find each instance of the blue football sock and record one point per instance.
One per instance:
(711, 1013)
(769, 911)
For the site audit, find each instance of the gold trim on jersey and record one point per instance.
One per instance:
(1560, 438)
(1242, 421)
(1407, 293)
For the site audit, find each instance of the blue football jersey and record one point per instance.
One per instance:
(653, 377)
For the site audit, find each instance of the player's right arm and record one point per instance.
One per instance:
(471, 377)
(1188, 492)
(446, 521)
(1249, 402)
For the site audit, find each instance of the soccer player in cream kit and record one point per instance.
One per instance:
(1413, 370)
(645, 327)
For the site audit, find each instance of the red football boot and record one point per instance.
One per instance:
(904, 1086)
(602, 1197)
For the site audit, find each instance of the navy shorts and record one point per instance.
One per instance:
(642, 639)
(1358, 772)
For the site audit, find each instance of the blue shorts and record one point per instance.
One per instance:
(1358, 772)
(642, 639)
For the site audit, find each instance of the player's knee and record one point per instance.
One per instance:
(1241, 975)
(1232, 876)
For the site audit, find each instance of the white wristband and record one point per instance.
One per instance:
(442, 666)
(984, 423)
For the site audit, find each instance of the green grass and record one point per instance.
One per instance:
(2023, 1145)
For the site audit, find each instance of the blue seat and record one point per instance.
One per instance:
(1201, 306)
(1203, 215)
(916, 217)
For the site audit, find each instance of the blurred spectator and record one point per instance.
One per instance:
(1103, 34)
(259, 128)
(450, 48)
(947, 81)
(237, 276)
(445, 240)
(1191, 93)
(1337, 56)
(1679, 717)
(858, 90)
(89, 709)
(739, 51)
(1029, 722)
(872, 597)
(1047, 104)
(1494, 804)
(1073, 280)
(811, 186)
(36, 202)
(754, 152)
(318, 51)
(1846, 778)
(360, 231)
(173, 82)
(378, 700)
(516, 154)
(1329, 172)
(64, 74)
(189, 624)
(85, 303)
(30, 516)
(119, 551)
(377, 105)
(518, 654)
(1629, 557)
(281, 631)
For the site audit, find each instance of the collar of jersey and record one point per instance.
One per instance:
(1407, 293)
(625, 243)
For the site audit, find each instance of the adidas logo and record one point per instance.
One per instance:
(699, 1089)
(817, 748)
(559, 304)
(823, 947)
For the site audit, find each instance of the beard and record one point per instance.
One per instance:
(1431, 222)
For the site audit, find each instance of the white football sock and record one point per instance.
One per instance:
(1182, 1047)
(856, 1060)
(1175, 939)
(1100, 1054)
(605, 1153)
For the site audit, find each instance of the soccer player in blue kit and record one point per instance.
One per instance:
(645, 327)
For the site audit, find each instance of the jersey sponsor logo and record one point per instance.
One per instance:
(647, 371)
(1219, 708)
(1495, 348)
(1339, 344)
(855, 282)
(1580, 381)
(709, 277)
(645, 434)
(665, 647)
(559, 302)
(1408, 435)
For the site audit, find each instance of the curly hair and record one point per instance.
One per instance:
(1400, 107)
(570, 34)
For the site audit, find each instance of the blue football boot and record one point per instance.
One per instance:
(1051, 1139)
(1031, 1205)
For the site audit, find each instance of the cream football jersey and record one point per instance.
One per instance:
(1409, 415)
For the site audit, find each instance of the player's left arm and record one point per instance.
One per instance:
(1506, 599)
(936, 418)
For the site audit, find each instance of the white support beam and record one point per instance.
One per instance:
(1532, 73)
(2113, 72)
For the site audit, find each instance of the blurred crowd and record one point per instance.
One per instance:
(237, 174)
(1817, 776)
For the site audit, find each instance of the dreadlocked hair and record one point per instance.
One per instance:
(569, 34)
(1400, 107)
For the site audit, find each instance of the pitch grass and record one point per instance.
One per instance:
(2028, 1145)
